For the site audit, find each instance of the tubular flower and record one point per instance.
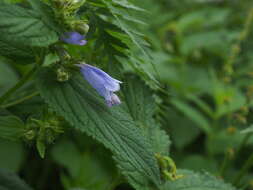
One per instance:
(104, 84)
(73, 38)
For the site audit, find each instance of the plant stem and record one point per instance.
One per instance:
(20, 100)
(247, 165)
(225, 164)
(243, 143)
(23, 80)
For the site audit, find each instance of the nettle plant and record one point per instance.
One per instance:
(64, 45)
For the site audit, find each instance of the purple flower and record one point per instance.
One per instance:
(73, 38)
(104, 84)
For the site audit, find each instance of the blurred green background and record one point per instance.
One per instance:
(202, 56)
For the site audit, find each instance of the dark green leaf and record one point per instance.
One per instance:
(11, 127)
(142, 108)
(197, 181)
(20, 26)
(79, 104)
(9, 181)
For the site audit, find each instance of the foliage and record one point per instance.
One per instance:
(186, 95)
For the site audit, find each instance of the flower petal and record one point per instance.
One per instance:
(73, 38)
(104, 84)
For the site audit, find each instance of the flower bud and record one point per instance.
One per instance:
(62, 75)
(29, 135)
(82, 28)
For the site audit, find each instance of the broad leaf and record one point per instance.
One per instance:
(88, 169)
(197, 181)
(78, 103)
(9, 181)
(22, 26)
(11, 127)
(142, 108)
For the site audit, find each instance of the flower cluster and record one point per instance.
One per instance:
(104, 84)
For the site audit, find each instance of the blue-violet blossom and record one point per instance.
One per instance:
(104, 84)
(73, 38)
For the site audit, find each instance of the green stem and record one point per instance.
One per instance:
(20, 100)
(247, 165)
(225, 164)
(243, 143)
(23, 80)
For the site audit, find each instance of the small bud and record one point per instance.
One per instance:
(83, 28)
(62, 75)
(65, 55)
(29, 135)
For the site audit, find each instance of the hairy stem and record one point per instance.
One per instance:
(20, 100)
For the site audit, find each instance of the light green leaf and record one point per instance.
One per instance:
(79, 104)
(197, 181)
(127, 4)
(248, 130)
(41, 147)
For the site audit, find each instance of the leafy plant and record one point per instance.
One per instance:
(119, 94)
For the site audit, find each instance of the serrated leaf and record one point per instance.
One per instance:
(142, 108)
(80, 105)
(127, 4)
(22, 26)
(197, 181)
(45, 12)
(11, 127)
(14, 51)
(9, 181)
(122, 25)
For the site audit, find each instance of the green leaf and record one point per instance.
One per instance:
(197, 181)
(193, 114)
(88, 169)
(11, 155)
(178, 125)
(78, 103)
(46, 13)
(9, 181)
(127, 4)
(41, 147)
(15, 51)
(199, 163)
(141, 105)
(8, 76)
(248, 130)
(22, 26)
(67, 154)
(11, 127)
